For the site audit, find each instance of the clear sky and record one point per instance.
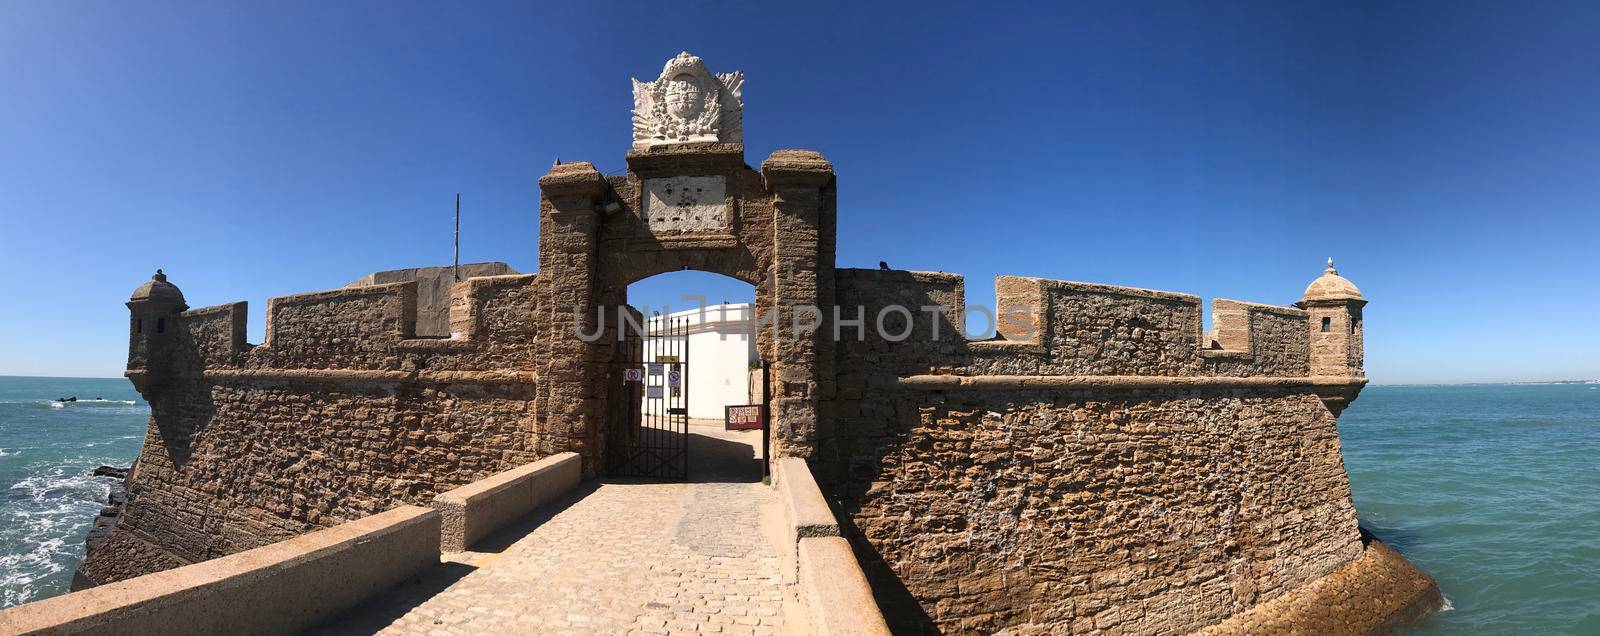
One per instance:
(1446, 154)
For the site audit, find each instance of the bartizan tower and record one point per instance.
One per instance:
(1336, 342)
(150, 325)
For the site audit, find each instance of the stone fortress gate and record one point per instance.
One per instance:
(688, 201)
(1103, 465)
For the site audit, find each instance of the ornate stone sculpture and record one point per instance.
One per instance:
(688, 104)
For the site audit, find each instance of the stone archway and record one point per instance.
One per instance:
(684, 206)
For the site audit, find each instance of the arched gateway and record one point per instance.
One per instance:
(686, 205)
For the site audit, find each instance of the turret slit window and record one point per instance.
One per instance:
(161, 325)
(1327, 324)
(1353, 326)
(138, 325)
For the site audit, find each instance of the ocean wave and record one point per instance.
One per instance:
(57, 404)
(20, 571)
(59, 484)
(41, 527)
(96, 402)
(78, 401)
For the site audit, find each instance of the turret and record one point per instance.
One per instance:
(1336, 339)
(150, 324)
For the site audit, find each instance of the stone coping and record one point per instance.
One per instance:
(370, 376)
(833, 591)
(572, 179)
(472, 512)
(280, 588)
(1013, 382)
(805, 511)
(1373, 594)
(1102, 288)
(1287, 312)
(837, 597)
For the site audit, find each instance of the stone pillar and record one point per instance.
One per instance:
(801, 183)
(570, 399)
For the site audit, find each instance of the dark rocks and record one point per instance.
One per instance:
(107, 519)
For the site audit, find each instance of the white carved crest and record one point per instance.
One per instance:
(688, 104)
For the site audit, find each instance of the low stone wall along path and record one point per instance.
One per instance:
(613, 557)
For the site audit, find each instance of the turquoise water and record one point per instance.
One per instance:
(1494, 490)
(47, 497)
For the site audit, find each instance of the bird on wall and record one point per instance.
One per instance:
(883, 264)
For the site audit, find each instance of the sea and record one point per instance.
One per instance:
(1493, 489)
(48, 497)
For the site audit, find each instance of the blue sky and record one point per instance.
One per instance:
(1445, 153)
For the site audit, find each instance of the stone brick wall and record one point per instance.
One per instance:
(1121, 505)
(1148, 512)
(339, 415)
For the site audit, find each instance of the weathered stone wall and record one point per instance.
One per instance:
(1120, 505)
(342, 413)
(1153, 512)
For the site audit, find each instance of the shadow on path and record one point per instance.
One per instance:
(726, 460)
(384, 609)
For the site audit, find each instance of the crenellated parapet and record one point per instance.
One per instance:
(342, 412)
(1054, 327)
(358, 332)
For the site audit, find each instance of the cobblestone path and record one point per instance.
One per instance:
(614, 557)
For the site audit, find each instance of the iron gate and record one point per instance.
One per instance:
(648, 435)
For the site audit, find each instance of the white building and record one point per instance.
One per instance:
(721, 346)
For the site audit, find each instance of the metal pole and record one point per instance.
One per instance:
(455, 270)
(766, 420)
(683, 379)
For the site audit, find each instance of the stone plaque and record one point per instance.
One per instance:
(686, 205)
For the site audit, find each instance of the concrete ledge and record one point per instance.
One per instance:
(805, 512)
(837, 597)
(473, 511)
(281, 588)
(830, 591)
(1374, 594)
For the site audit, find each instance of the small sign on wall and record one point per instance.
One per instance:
(632, 374)
(745, 417)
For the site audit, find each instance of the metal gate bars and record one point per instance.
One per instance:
(648, 435)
